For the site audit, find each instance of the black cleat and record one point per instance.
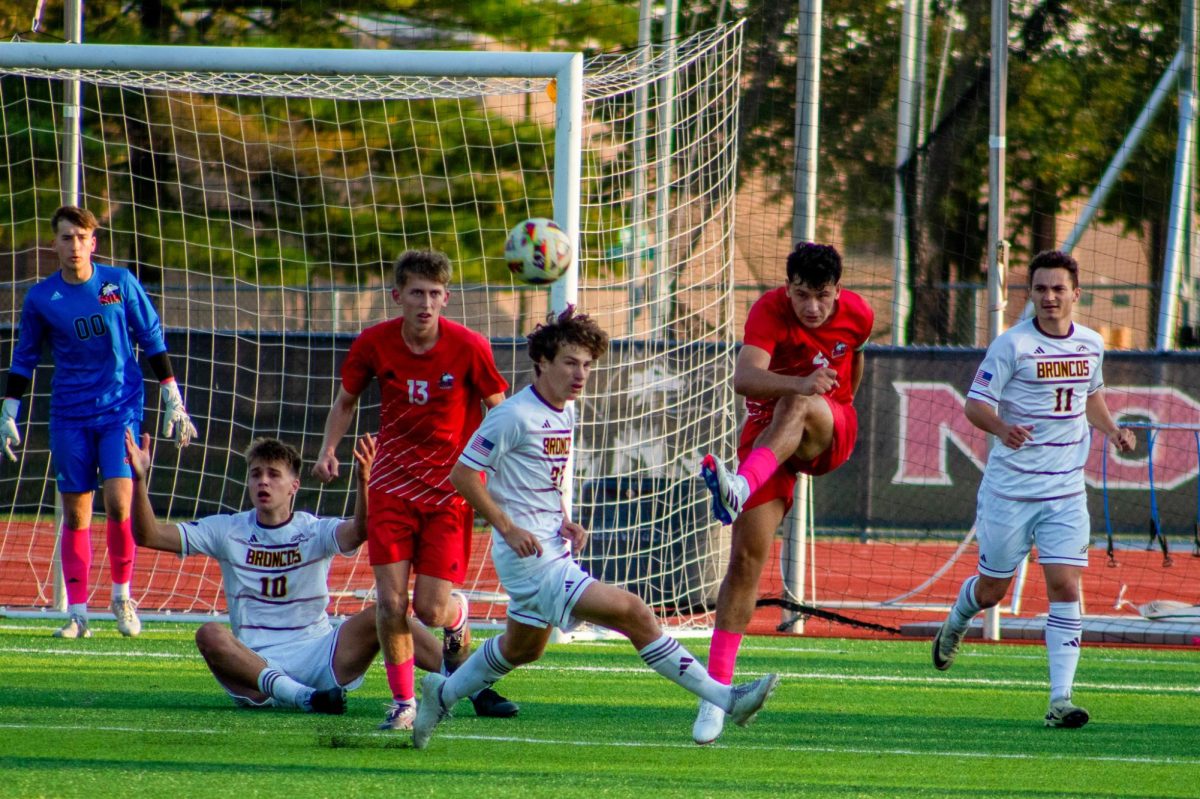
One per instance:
(331, 701)
(490, 704)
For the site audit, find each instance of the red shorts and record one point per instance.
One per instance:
(436, 539)
(782, 484)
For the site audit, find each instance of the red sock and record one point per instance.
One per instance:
(758, 467)
(120, 550)
(722, 655)
(76, 552)
(400, 680)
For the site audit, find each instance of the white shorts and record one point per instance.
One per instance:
(308, 661)
(1007, 529)
(544, 597)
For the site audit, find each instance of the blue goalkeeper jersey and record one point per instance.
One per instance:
(92, 329)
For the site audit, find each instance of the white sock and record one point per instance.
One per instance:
(78, 609)
(120, 591)
(283, 689)
(1063, 628)
(965, 607)
(485, 666)
(669, 658)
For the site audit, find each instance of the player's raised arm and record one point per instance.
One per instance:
(147, 530)
(341, 414)
(352, 532)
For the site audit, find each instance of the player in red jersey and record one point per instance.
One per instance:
(800, 364)
(435, 376)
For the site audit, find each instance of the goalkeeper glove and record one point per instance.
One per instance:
(9, 435)
(176, 422)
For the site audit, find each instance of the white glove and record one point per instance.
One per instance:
(176, 422)
(9, 435)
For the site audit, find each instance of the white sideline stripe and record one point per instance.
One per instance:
(642, 670)
(834, 750)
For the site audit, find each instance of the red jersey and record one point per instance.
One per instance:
(430, 405)
(798, 350)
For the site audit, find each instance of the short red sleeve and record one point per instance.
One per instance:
(764, 324)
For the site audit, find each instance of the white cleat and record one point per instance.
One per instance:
(729, 491)
(1063, 713)
(748, 698)
(430, 711)
(400, 716)
(710, 721)
(128, 623)
(76, 627)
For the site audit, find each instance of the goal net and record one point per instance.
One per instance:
(263, 209)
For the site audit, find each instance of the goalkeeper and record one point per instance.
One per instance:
(92, 316)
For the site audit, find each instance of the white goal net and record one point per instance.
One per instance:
(263, 211)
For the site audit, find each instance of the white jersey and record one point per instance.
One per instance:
(275, 577)
(1040, 381)
(523, 445)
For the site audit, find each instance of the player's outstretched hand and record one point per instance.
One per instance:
(523, 542)
(575, 534)
(176, 422)
(822, 381)
(9, 435)
(1125, 440)
(139, 457)
(364, 456)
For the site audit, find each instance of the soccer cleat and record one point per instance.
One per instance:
(709, 723)
(125, 611)
(729, 492)
(400, 716)
(945, 646)
(1064, 714)
(430, 711)
(76, 627)
(330, 701)
(492, 705)
(748, 698)
(456, 641)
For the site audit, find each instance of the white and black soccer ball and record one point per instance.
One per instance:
(538, 251)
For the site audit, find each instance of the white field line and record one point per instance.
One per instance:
(811, 676)
(658, 744)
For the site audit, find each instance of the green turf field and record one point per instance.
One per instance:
(143, 718)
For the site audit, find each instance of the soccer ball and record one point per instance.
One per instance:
(538, 251)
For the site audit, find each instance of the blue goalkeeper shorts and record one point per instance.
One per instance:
(79, 453)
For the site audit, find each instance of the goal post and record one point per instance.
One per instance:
(262, 194)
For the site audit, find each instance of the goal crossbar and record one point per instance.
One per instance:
(565, 69)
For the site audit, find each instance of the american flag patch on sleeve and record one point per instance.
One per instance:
(982, 379)
(481, 446)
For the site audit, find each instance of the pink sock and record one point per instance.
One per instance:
(120, 550)
(758, 467)
(722, 655)
(400, 680)
(76, 554)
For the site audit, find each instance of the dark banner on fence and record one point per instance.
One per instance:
(916, 468)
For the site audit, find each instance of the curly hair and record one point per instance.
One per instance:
(429, 264)
(272, 450)
(814, 265)
(568, 328)
(1055, 259)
